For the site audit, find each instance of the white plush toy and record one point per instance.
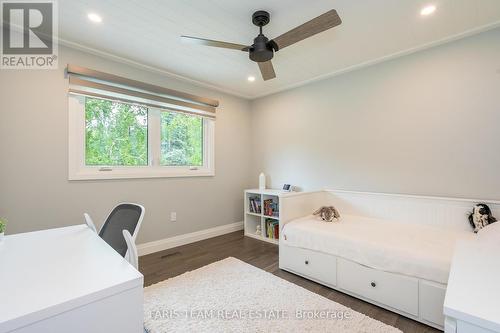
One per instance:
(258, 230)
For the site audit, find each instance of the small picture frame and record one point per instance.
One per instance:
(287, 187)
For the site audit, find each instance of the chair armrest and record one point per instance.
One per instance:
(131, 256)
(89, 222)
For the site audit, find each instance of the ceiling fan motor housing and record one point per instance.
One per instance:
(261, 50)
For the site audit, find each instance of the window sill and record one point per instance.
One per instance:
(138, 173)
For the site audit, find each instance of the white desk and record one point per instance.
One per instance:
(67, 280)
(472, 303)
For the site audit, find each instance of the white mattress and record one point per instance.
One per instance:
(410, 249)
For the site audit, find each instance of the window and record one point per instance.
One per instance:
(181, 140)
(116, 134)
(111, 139)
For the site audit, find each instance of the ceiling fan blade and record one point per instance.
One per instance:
(319, 24)
(267, 70)
(214, 43)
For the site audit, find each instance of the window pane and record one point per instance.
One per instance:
(116, 134)
(181, 139)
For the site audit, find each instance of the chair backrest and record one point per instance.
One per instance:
(125, 216)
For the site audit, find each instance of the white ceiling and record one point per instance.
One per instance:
(147, 31)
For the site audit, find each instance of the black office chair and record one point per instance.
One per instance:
(120, 230)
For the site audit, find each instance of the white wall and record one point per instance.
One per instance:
(427, 123)
(34, 189)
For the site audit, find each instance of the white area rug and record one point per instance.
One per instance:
(232, 296)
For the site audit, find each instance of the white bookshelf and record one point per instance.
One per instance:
(252, 219)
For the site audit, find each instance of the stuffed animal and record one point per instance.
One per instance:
(480, 217)
(258, 230)
(327, 214)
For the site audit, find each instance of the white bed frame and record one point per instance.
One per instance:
(411, 297)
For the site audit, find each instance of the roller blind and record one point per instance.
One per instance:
(89, 82)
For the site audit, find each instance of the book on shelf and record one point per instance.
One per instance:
(254, 205)
(271, 208)
(272, 229)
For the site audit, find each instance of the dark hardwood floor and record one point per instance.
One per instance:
(159, 266)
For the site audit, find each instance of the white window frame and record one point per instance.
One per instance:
(78, 170)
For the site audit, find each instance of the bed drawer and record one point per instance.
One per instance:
(394, 290)
(312, 264)
(432, 301)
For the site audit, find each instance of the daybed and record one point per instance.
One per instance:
(391, 250)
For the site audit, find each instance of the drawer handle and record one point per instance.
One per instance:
(373, 284)
(306, 262)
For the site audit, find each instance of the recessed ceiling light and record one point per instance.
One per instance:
(428, 10)
(251, 78)
(94, 18)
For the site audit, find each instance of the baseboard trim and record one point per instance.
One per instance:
(168, 243)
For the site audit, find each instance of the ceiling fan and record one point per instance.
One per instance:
(262, 50)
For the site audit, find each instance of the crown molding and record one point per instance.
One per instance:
(389, 57)
(322, 77)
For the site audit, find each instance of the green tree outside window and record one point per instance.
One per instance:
(181, 139)
(116, 133)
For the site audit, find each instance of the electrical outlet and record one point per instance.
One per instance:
(173, 217)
